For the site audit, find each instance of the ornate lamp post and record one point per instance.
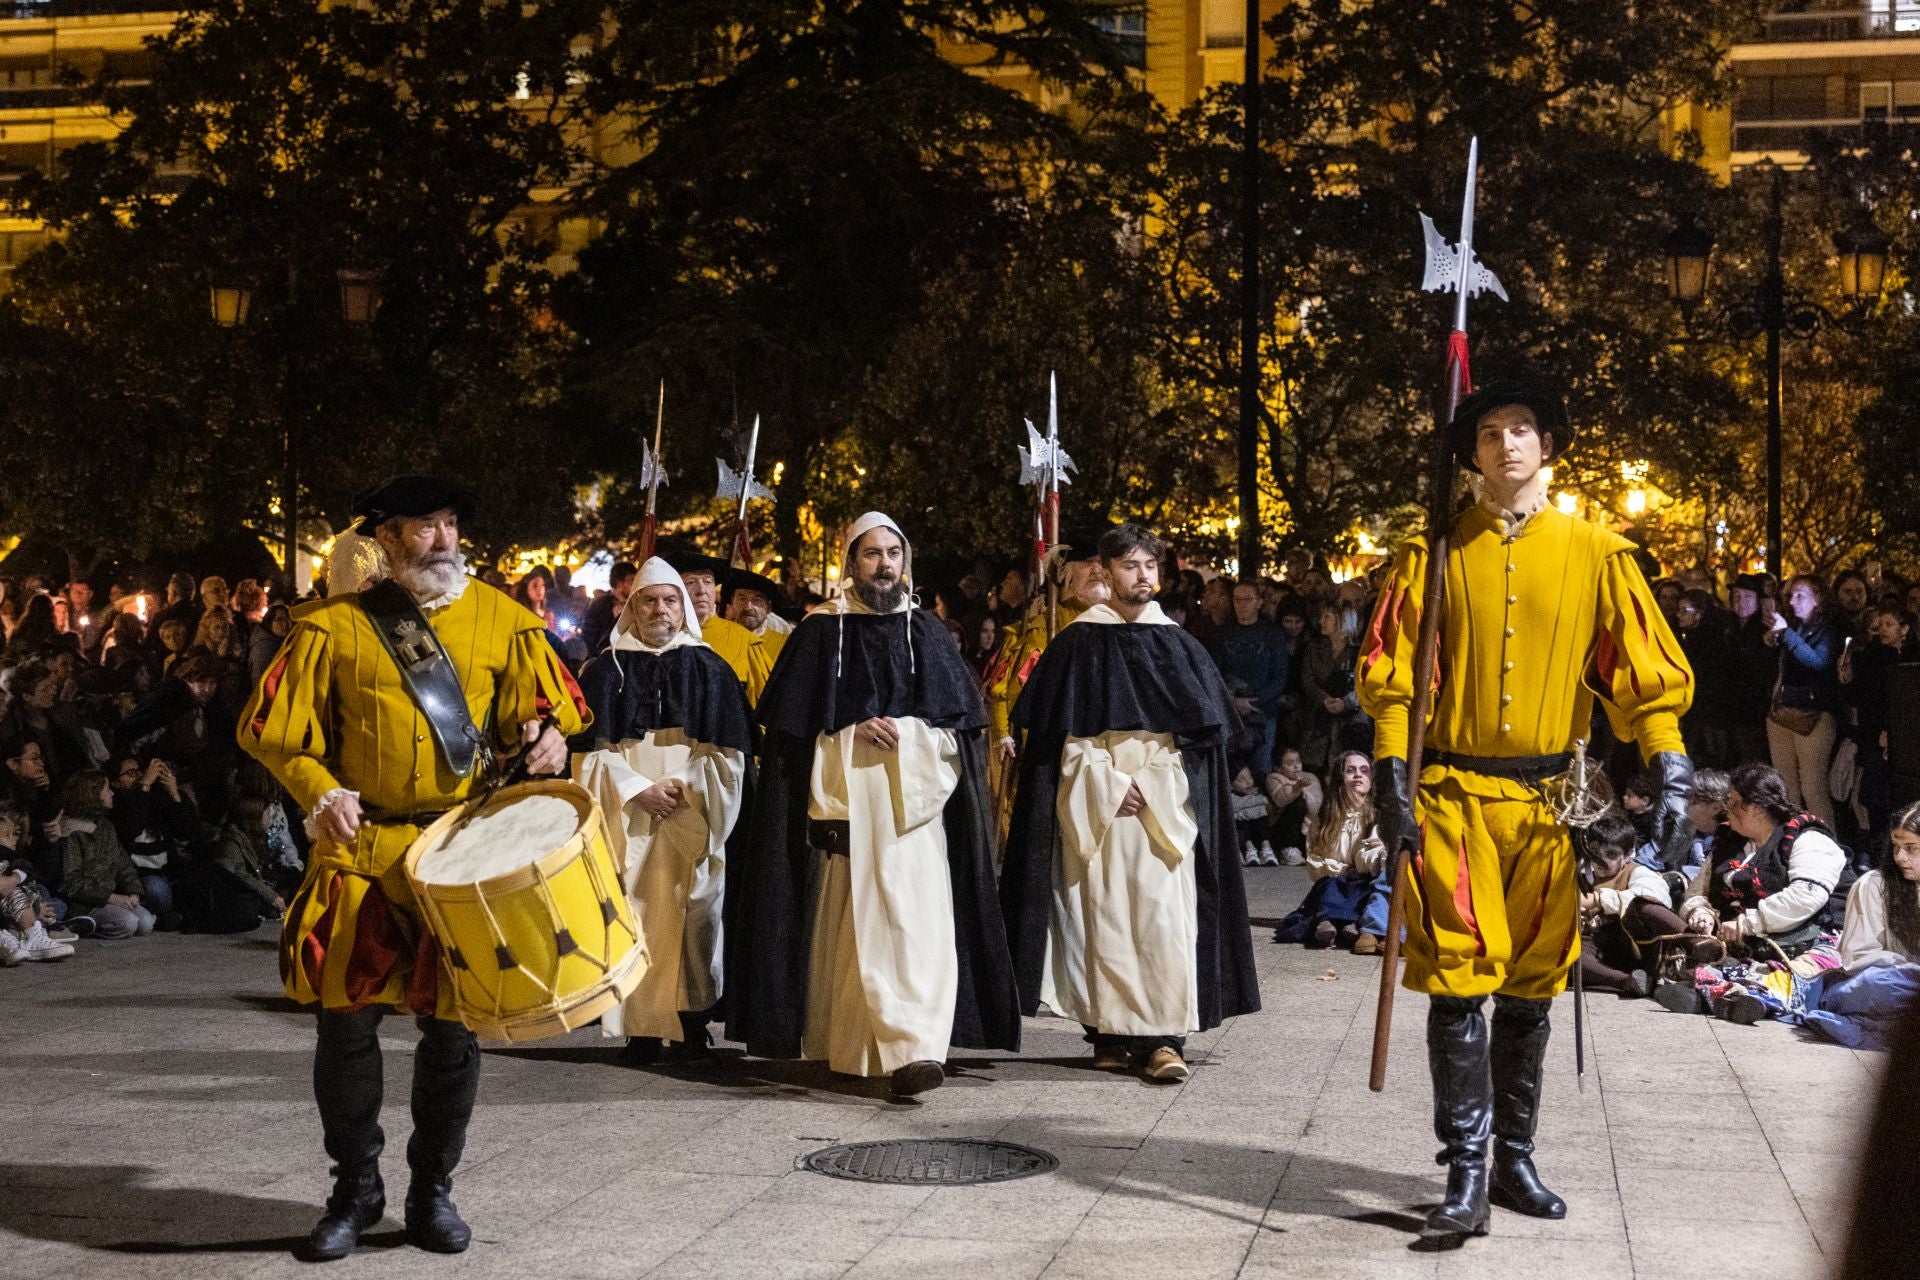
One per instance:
(1773, 310)
(230, 299)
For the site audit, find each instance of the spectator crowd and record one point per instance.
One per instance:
(125, 805)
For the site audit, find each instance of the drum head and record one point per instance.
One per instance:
(506, 836)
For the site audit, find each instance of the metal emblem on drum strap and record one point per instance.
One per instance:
(415, 650)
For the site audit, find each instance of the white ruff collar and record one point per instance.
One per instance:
(442, 601)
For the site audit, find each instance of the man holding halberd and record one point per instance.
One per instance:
(1542, 614)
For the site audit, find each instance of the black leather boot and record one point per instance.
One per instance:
(1520, 1031)
(359, 1200)
(446, 1077)
(1462, 1112)
(347, 1088)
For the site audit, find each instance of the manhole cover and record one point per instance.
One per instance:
(947, 1162)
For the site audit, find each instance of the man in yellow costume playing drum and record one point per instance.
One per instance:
(368, 716)
(1543, 613)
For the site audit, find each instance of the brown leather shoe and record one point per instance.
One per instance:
(1167, 1067)
(1366, 945)
(918, 1077)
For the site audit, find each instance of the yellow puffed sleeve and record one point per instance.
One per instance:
(286, 723)
(1385, 678)
(1638, 669)
(534, 685)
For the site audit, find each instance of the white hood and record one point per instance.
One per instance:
(847, 601)
(657, 573)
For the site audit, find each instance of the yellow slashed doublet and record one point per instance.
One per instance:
(1538, 623)
(1005, 677)
(748, 654)
(331, 711)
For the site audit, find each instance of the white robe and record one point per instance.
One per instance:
(883, 974)
(675, 870)
(1122, 935)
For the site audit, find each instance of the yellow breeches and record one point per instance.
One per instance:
(1492, 903)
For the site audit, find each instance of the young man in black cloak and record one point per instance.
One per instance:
(869, 898)
(1122, 892)
(669, 759)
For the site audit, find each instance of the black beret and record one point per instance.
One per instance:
(414, 496)
(1546, 401)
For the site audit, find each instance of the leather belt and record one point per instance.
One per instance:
(830, 837)
(1526, 770)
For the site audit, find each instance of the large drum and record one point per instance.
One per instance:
(521, 891)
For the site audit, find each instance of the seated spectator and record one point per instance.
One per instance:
(1250, 821)
(1616, 887)
(34, 632)
(239, 884)
(24, 781)
(28, 910)
(1707, 810)
(155, 826)
(42, 712)
(187, 722)
(1328, 719)
(1639, 802)
(96, 874)
(1879, 974)
(1762, 899)
(1347, 904)
(1293, 797)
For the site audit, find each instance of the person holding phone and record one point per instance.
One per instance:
(1803, 721)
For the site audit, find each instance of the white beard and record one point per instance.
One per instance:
(430, 578)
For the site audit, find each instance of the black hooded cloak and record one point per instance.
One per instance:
(1096, 678)
(836, 670)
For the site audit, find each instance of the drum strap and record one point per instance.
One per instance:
(426, 671)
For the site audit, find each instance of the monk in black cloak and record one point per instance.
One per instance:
(1123, 899)
(874, 939)
(669, 758)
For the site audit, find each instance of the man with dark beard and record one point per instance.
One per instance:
(1124, 904)
(869, 896)
(368, 715)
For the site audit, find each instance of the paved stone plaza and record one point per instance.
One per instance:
(162, 1088)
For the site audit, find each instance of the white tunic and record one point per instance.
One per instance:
(1865, 940)
(1125, 920)
(883, 973)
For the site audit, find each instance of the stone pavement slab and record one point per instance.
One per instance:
(172, 1081)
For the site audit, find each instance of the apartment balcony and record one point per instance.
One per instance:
(48, 10)
(1826, 26)
(1794, 135)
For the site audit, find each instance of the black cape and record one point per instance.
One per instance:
(1094, 678)
(836, 670)
(691, 688)
(631, 693)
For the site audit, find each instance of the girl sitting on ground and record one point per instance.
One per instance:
(1348, 901)
(1879, 975)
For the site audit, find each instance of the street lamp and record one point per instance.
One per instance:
(1775, 312)
(1689, 252)
(230, 299)
(1863, 259)
(360, 297)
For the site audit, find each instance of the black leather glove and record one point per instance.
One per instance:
(1674, 829)
(1393, 806)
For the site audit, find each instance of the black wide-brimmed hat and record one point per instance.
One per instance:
(747, 579)
(1543, 398)
(411, 496)
(690, 561)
